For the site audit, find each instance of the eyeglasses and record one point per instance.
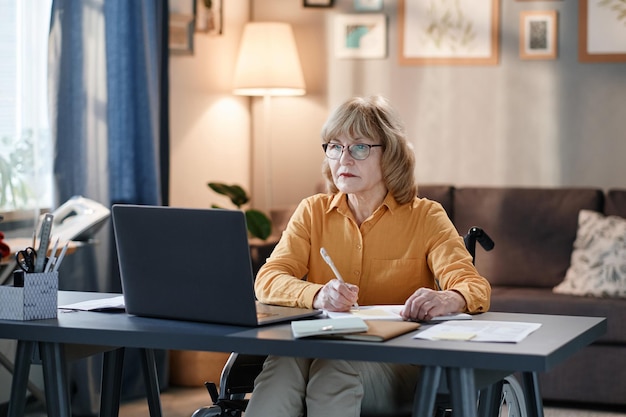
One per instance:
(358, 151)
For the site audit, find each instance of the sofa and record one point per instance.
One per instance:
(534, 230)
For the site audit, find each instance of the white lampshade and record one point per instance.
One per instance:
(268, 63)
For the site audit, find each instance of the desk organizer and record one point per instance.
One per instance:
(36, 300)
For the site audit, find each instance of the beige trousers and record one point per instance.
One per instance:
(296, 387)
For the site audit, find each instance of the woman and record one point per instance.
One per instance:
(390, 247)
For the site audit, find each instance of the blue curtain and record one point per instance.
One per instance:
(136, 50)
(136, 107)
(109, 105)
(108, 95)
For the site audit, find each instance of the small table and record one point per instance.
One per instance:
(557, 339)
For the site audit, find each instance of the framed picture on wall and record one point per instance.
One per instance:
(448, 32)
(368, 5)
(360, 36)
(181, 28)
(538, 34)
(317, 3)
(209, 16)
(602, 31)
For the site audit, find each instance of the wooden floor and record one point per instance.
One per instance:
(182, 402)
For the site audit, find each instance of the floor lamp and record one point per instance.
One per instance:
(268, 65)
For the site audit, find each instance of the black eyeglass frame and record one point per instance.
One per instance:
(350, 147)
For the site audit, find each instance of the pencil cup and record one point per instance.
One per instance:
(36, 300)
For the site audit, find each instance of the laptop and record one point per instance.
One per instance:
(190, 264)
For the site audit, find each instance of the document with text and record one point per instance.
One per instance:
(479, 331)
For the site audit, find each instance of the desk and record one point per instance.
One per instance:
(557, 339)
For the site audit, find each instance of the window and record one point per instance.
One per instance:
(25, 140)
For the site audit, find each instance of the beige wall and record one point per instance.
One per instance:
(209, 126)
(534, 123)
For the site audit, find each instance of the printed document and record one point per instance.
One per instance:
(479, 331)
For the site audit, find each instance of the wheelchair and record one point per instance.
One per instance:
(237, 378)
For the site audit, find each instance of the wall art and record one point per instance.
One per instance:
(448, 32)
(602, 31)
(360, 36)
(538, 34)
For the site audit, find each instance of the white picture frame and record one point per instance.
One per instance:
(362, 36)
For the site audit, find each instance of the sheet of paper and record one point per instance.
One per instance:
(388, 312)
(101, 304)
(376, 312)
(479, 331)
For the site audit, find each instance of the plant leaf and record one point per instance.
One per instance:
(236, 194)
(259, 225)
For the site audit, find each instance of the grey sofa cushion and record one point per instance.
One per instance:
(533, 230)
(615, 204)
(544, 301)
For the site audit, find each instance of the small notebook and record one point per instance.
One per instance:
(353, 328)
(327, 327)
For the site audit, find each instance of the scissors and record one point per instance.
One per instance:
(26, 259)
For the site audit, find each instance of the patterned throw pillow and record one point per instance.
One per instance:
(598, 264)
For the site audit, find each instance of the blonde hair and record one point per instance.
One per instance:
(374, 118)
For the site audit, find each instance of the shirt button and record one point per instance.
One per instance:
(357, 272)
(358, 247)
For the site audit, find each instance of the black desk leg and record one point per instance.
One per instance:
(55, 379)
(151, 382)
(462, 391)
(21, 371)
(112, 366)
(532, 394)
(490, 399)
(426, 391)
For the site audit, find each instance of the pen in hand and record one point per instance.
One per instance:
(330, 263)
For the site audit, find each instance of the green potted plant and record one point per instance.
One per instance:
(259, 225)
(16, 166)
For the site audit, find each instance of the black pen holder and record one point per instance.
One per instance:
(37, 299)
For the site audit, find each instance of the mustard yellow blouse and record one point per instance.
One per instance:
(399, 249)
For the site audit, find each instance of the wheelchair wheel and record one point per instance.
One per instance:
(512, 403)
(214, 411)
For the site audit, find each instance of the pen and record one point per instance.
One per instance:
(330, 263)
(58, 261)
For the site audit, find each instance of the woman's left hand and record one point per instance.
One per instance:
(424, 304)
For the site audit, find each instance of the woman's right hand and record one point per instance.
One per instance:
(336, 296)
